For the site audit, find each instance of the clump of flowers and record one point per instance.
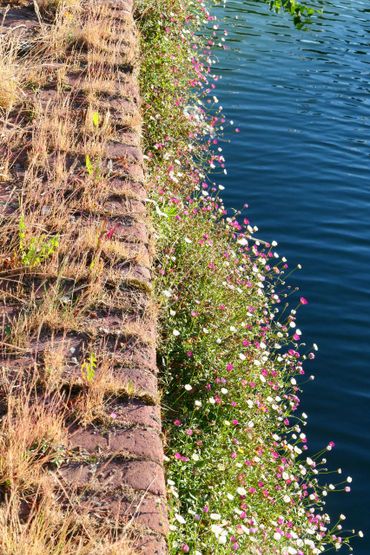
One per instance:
(240, 476)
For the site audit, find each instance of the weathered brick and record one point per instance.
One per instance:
(135, 412)
(116, 150)
(141, 382)
(135, 442)
(149, 512)
(119, 206)
(140, 443)
(126, 187)
(150, 545)
(145, 476)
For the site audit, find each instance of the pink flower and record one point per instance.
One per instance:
(229, 367)
(303, 300)
(110, 232)
(177, 422)
(185, 548)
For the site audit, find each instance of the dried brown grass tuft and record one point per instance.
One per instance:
(49, 531)
(32, 436)
(10, 73)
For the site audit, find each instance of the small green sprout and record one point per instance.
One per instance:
(95, 119)
(35, 250)
(88, 368)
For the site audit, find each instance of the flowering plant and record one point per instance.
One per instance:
(239, 474)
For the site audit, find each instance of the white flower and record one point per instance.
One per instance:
(216, 529)
(215, 516)
(243, 242)
(349, 479)
(277, 536)
(172, 312)
(241, 491)
(180, 519)
(224, 390)
(198, 403)
(195, 457)
(242, 357)
(360, 533)
(167, 293)
(188, 387)
(176, 333)
(187, 240)
(286, 499)
(172, 527)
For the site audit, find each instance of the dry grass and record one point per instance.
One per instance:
(49, 531)
(33, 441)
(10, 73)
(32, 435)
(49, 8)
(56, 264)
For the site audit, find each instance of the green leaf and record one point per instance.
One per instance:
(89, 165)
(88, 368)
(95, 119)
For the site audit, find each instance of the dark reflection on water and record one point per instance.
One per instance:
(301, 161)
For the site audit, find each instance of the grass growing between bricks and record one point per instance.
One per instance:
(77, 359)
(239, 473)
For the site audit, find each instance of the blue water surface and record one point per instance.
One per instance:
(302, 162)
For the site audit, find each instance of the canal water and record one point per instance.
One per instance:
(301, 161)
